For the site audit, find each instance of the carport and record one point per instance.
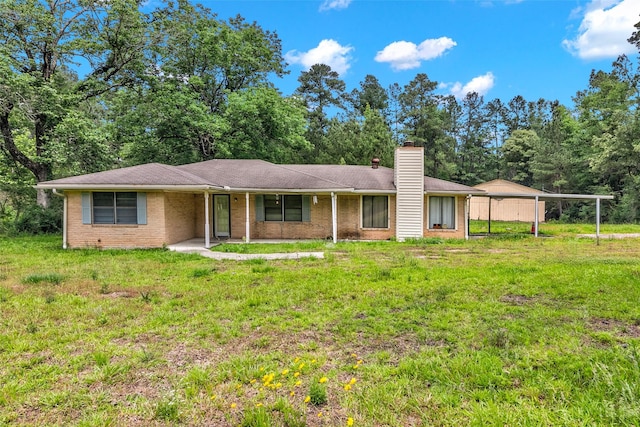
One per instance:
(548, 197)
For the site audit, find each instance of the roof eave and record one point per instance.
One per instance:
(133, 187)
(288, 190)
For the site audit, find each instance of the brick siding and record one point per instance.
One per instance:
(174, 217)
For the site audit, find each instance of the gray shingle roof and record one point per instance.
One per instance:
(258, 174)
(251, 175)
(155, 174)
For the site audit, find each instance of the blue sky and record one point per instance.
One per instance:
(498, 48)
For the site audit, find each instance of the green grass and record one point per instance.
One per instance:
(551, 228)
(495, 331)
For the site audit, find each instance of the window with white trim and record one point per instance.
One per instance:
(375, 212)
(442, 212)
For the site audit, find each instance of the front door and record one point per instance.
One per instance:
(221, 215)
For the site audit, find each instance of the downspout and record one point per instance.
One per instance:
(64, 217)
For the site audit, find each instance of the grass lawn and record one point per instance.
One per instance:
(496, 331)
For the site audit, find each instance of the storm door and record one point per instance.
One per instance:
(221, 213)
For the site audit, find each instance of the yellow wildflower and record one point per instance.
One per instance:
(293, 393)
(347, 387)
(307, 399)
(355, 356)
(298, 383)
(233, 405)
(323, 380)
(301, 366)
(296, 374)
(353, 381)
(349, 421)
(319, 414)
(258, 405)
(285, 372)
(296, 360)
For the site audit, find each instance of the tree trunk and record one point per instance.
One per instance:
(40, 170)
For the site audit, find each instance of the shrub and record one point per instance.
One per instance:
(38, 220)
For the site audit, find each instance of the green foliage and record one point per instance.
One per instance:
(52, 278)
(38, 220)
(318, 394)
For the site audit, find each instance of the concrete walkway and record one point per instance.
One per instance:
(196, 246)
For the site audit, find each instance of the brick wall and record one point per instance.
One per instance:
(319, 227)
(349, 220)
(150, 235)
(174, 217)
(180, 216)
(451, 233)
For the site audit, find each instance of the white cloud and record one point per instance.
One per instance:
(334, 4)
(403, 55)
(480, 84)
(328, 52)
(606, 25)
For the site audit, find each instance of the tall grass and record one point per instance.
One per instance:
(509, 331)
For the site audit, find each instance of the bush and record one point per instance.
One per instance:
(38, 220)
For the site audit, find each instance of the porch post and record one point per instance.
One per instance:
(247, 231)
(535, 224)
(597, 220)
(64, 221)
(334, 217)
(207, 241)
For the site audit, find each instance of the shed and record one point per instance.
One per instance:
(506, 209)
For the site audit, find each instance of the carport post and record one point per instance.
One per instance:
(536, 218)
(598, 221)
(207, 242)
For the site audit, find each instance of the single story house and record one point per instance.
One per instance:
(506, 209)
(152, 205)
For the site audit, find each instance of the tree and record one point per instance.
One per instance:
(518, 151)
(201, 72)
(320, 89)
(423, 122)
(473, 151)
(261, 124)
(635, 37)
(41, 41)
(609, 114)
(370, 94)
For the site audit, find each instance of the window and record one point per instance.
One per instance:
(114, 208)
(442, 212)
(375, 212)
(289, 208)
